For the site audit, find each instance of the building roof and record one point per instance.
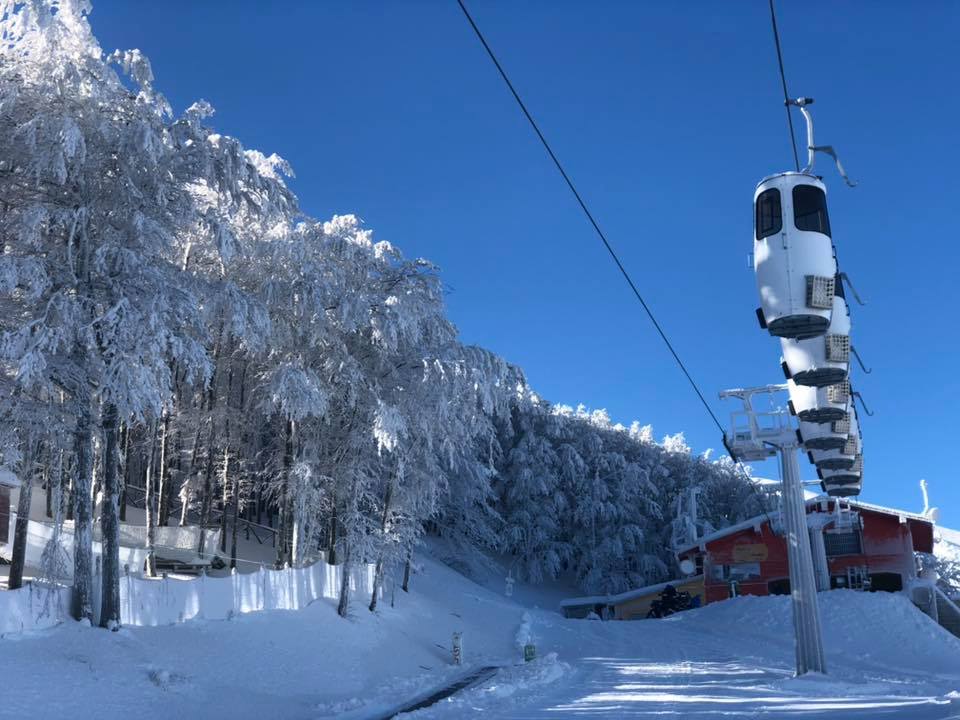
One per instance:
(758, 520)
(625, 596)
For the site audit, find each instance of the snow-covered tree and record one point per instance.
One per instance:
(170, 318)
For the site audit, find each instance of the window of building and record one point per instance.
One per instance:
(886, 582)
(769, 216)
(842, 543)
(780, 586)
(856, 578)
(738, 571)
(810, 209)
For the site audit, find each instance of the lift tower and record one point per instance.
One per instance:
(758, 436)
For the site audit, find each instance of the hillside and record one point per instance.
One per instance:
(313, 664)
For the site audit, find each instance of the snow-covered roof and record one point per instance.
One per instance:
(754, 522)
(625, 596)
(889, 511)
(759, 520)
(8, 479)
(587, 600)
(947, 546)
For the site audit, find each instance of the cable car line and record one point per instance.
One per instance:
(610, 250)
(783, 81)
(590, 217)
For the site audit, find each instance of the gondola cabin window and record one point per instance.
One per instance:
(769, 214)
(810, 209)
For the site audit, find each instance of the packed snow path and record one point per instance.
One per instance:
(620, 688)
(732, 660)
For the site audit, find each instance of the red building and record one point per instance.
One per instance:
(864, 547)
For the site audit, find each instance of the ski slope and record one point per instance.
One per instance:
(885, 660)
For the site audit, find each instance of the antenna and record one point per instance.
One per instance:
(931, 513)
(812, 149)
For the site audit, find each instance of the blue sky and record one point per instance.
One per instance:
(666, 115)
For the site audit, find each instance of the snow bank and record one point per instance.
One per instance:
(32, 607)
(859, 629)
(736, 657)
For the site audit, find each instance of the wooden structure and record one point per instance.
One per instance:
(866, 547)
(630, 605)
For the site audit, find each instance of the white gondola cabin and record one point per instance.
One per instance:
(825, 436)
(825, 360)
(793, 255)
(839, 459)
(836, 489)
(843, 457)
(848, 476)
(819, 404)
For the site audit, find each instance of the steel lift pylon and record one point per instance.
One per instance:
(757, 436)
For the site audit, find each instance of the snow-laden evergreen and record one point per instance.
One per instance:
(171, 321)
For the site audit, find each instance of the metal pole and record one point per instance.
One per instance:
(821, 570)
(803, 588)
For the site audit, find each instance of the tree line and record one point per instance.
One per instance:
(172, 323)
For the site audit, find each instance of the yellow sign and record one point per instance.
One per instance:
(754, 552)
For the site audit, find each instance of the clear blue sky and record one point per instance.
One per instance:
(666, 115)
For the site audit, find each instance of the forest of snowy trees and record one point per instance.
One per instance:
(172, 321)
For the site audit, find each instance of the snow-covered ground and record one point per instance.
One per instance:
(734, 658)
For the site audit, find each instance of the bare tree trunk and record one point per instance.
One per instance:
(19, 552)
(207, 499)
(282, 529)
(185, 507)
(126, 472)
(332, 550)
(384, 524)
(406, 572)
(175, 472)
(344, 605)
(192, 472)
(110, 523)
(283, 542)
(48, 486)
(68, 491)
(236, 516)
(83, 511)
(163, 482)
(95, 458)
(149, 507)
(241, 406)
(225, 498)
